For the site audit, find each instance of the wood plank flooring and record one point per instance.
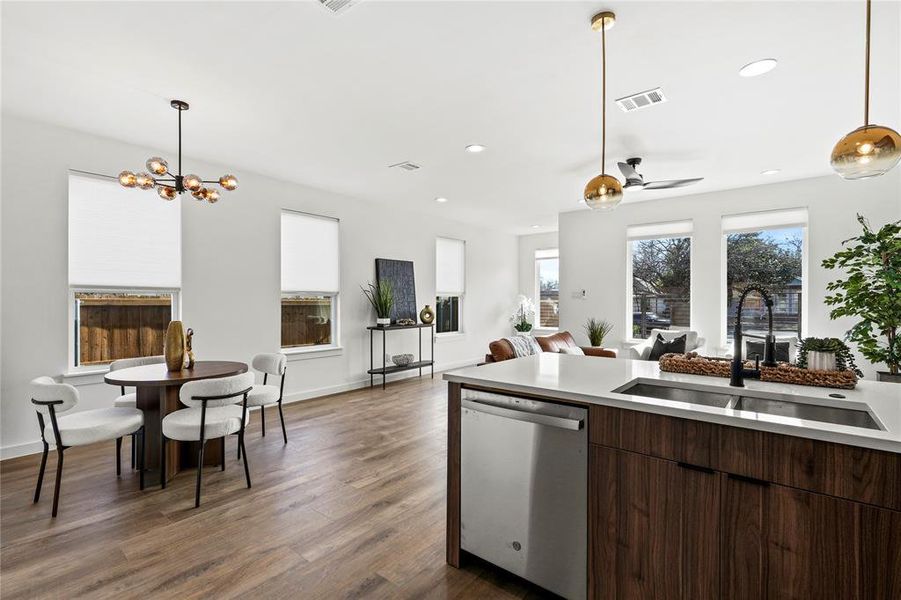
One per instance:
(352, 507)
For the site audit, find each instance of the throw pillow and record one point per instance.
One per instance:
(661, 347)
(572, 350)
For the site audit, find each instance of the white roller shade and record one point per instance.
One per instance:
(650, 231)
(310, 253)
(772, 219)
(450, 267)
(551, 253)
(120, 237)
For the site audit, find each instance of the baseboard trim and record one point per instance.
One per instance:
(36, 446)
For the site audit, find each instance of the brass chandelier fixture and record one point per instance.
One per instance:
(169, 185)
(870, 150)
(603, 192)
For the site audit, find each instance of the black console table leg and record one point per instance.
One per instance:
(384, 364)
(432, 335)
(420, 352)
(371, 365)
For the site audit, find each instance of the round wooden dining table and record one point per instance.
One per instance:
(157, 396)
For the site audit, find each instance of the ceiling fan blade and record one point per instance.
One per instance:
(670, 183)
(628, 171)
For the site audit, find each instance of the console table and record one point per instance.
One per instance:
(385, 369)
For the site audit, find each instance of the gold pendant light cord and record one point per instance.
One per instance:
(866, 96)
(604, 94)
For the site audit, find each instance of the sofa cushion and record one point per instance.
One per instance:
(501, 350)
(663, 346)
(572, 350)
(755, 347)
(554, 343)
(691, 337)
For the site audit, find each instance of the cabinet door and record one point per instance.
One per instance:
(654, 528)
(742, 544)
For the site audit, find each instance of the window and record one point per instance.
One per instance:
(659, 276)
(450, 284)
(766, 249)
(124, 271)
(311, 277)
(547, 288)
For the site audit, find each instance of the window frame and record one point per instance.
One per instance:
(335, 294)
(536, 282)
(73, 336)
(335, 345)
(683, 228)
(460, 296)
(769, 221)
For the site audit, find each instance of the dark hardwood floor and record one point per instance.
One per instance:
(352, 507)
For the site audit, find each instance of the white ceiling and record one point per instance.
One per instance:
(290, 90)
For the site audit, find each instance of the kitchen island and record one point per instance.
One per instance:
(705, 498)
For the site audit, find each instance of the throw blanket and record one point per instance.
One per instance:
(523, 345)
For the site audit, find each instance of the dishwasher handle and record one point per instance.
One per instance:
(521, 415)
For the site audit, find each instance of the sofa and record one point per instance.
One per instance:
(500, 350)
(693, 342)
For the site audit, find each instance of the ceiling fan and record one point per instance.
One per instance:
(635, 180)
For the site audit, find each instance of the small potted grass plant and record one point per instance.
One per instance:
(597, 330)
(381, 297)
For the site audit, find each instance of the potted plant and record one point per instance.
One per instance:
(381, 297)
(871, 292)
(826, 354)
(523, 315)
(597, 330)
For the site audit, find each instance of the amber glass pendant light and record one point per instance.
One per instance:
(604, 191)
(170, 185)
(871, 150)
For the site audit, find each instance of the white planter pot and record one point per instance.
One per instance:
(383, 321)
(523, 333)
(821, 361)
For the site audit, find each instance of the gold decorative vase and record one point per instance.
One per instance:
(174, 349)
(427, 315)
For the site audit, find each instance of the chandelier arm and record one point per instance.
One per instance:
(866, 97)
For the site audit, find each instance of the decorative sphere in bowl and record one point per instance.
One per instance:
(402, 360)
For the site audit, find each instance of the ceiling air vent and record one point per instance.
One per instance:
(406, 166)
(641, 100)
(338, 6)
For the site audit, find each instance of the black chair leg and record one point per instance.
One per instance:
(246, 467)
(142, 457)
(239, 450)
(263, 419)
(199, 473)
(281, 416)
(37, 489)
(118, 457)
(59, 479)
(162, 461)
(134, 451)
(222, 450)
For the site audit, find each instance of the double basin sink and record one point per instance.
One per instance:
(809, 409)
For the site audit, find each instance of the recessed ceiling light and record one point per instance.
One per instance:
(758, 67)
(440, 199)
(475, 148)
(535, 226)
(770, 172)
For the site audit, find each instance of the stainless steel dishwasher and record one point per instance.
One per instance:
(523, 488)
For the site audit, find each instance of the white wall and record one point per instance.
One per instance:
(593, 248)
(230, 272)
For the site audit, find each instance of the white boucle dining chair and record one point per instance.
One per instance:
(130, 400)
(80, 428)
(211, 413)
(265, 394)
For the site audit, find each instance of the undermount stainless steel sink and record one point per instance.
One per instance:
(758, 402)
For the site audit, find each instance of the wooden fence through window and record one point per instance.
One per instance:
(113, 326)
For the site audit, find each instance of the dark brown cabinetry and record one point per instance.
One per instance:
(755, 515)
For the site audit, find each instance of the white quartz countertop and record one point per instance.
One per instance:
(590, 380)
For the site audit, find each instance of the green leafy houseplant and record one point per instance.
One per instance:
(843, 357)
(870, 291)
(381, 297)
(597, 330)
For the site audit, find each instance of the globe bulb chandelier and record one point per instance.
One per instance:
(870, 150)
(603, 192)
(168, 185)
